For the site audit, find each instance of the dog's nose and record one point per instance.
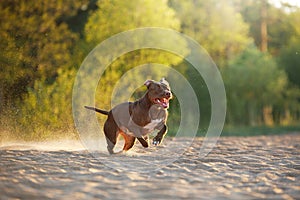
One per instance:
(168, 94)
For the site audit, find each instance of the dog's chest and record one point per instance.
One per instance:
(154, 123)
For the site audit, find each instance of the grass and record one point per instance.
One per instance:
(259, 130)
(247, 130)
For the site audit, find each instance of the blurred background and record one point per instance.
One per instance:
(255, 44)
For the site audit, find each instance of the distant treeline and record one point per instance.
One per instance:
(43, 43)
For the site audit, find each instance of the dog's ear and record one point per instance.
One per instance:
(164, 81)
(148, 83)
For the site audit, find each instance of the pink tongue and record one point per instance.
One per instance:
(165, 104)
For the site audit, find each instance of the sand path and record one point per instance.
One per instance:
(237, 168)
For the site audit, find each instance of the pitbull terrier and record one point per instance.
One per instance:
(137, 119)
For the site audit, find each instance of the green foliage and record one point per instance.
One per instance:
(43, 43)
(290, 60)
(258, 130)
(114, 16)
(279, 27)
(216, 25)
(289, 55)
(253, 84)
(36, 43)
(48, 108)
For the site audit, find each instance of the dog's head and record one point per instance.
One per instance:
(159, 92)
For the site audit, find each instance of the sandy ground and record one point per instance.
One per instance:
(237, 168)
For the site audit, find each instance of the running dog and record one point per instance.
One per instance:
(137, 119)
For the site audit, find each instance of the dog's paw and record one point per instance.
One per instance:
(156, 141)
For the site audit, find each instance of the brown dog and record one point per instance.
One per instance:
(138, 119)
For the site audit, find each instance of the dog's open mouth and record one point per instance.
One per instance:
(164, 102)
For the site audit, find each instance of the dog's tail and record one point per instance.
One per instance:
(104, 112)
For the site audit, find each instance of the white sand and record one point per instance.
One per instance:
(237, 168)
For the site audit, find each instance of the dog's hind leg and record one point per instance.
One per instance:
(129, 141)
(111, 134)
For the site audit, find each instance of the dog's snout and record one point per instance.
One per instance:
(168, 94)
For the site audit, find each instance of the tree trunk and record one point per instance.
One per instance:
(263, 27)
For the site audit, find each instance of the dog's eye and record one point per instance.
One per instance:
(162, 88)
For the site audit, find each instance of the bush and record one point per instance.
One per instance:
(254, 86)
(47, 109)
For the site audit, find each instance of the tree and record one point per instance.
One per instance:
(263, 26)
(219, 28)
(289, 56)
(269, 26)
(115, 16)
(254, 85)
(48, 108)
(216, 25)
(36, 42)
(290, 61)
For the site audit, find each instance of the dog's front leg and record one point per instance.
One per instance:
(143, 141)
(160, 135)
